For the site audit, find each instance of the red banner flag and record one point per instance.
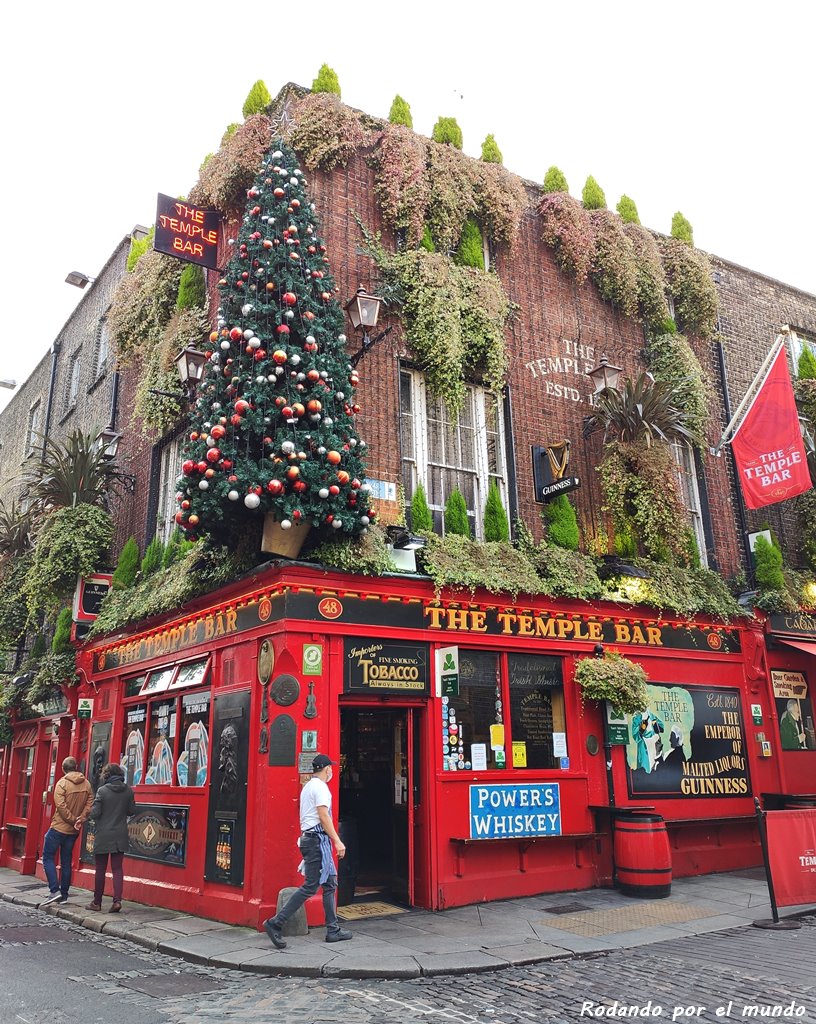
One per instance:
(768, 446)
(792, 855)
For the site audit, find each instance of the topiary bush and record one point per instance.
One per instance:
(470, 252)
(258, 99)
(806, 369)
(153, 557)
(138, 247)
(592, 195)
(124, 575)
(446, 130)
(192, 288)
(326, 81)
(554, 180)
(627, 210)
(672, 362)
(426, 242)
(562, 523)
(681, 229)
(491, 154)
(421, 518)
(768, 565)
(456, 518)
(496, 523)
(400, 112)
(61, 642)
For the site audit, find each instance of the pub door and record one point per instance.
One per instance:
(381, 814)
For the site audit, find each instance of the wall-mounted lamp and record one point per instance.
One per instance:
(614, 567)
(78, 279)
(190, 365)
(10, 384)
(364, 312)
(402, 539)
(604, 375)
(107, 441)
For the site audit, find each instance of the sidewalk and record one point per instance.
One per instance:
(406, 945)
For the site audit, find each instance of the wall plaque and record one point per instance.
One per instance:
(266, 662)
(284, 690)
(373, 667)
(282, 742)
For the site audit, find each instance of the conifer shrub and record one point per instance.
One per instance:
(138, 247)
(192, 291)
(258, 99)
(153, 556)
(326, 81)
(768, 565)
(627, 210)
(124, 575)
(470, 252)
(496, 523)
(171, 549)
(593, 196)
(807, 364)
(562, 523)
(456, 520)
(681, 229)
(400, 112)
(427, 243)
(447, 130)
(491, 154)
(554, 180)
(421, 518)
(61, 643)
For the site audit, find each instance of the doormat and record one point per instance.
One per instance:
(376, 908)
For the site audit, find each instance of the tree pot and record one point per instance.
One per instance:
(277, 541)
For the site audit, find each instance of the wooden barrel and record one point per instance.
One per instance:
(642, 856)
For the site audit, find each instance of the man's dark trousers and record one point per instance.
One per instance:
(313, 863)
(64, 842)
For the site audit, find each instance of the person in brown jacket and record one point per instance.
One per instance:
(73, 798)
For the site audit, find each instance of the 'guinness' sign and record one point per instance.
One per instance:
(550, 465)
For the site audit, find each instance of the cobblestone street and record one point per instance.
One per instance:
(55, 972)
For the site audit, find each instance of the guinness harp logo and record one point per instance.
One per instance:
(558, 456)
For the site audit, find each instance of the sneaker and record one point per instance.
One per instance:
(275, 934)
(54, 897)
(339, 935)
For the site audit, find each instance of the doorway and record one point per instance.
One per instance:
(381, 811)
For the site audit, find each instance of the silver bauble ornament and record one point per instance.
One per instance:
(248, 333)
(225, 345)
(365, 520)
(286, 524)
(340, 395)
(247, 308)
(341, 338)
(252, 500)
(337, 524)
(310, 338)
(323, 492)
(233, 495)
(294, 359)
(203, 485)
(321, 450)
(288, 447)
(328, 422)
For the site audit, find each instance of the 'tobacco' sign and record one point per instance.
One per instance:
(187, 232)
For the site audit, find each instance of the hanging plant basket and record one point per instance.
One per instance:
(613, 678)
(284, 541)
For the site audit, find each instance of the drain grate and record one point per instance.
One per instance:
(37, 933)
(567, 908)
(166, 985)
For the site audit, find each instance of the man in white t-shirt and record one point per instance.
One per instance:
(318, 834)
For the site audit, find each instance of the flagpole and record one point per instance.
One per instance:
(753, 392)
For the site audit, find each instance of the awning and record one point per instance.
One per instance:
(801, 645)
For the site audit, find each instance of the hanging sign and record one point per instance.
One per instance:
(447, 672)
(768, 446)
(187, 232)
(89, 595)
(550, 465)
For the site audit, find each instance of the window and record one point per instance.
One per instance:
(101, 350)
(169, 472)
(476, 732)
(443, 453)
(34, 428)
(72, 383)
(690, 493)
(165, 740)
(24, 764)
(799, 342)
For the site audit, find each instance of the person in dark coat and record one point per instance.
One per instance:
(113, 805)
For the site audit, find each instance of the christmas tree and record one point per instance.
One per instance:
(273, 425)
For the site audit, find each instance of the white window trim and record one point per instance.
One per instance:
(685, 465)
(34, 427)
(482, 475)
(169, 471)
(798, 343)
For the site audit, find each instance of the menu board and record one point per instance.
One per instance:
(536, 698)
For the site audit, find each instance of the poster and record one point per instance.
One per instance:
(687, 741)
(794, 710)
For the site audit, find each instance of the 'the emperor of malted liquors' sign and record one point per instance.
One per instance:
(506, 809)
(373, 667)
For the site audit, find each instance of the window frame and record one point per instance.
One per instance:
(799, 341)
(102, 350)
(416, 446)
(685, 467)
(33, 432)
(166, 505)
(73, 381)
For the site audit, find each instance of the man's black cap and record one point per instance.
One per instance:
(320, 762)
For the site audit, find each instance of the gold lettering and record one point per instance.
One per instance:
(525, 625)
(477, 622)
(435, 616)
(545, 627)
(622, 633)
(565, 627)
(655, 635)
(506, 619)
(457, 618)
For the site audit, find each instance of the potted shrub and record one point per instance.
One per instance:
(614, 678)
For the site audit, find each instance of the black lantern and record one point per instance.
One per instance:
(108, 441)
(190, 365)
(604, 375)
(364, 311)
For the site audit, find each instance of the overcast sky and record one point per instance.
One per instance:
(705, 108)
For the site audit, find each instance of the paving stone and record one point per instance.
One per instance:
(185, 925)
(465, 963)
(526, 952)
(363, 967)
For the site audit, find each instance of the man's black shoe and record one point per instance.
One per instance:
(275, 934)
(339, 935)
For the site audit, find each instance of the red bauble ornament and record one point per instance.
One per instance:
(193, 520)
(187, 467)
(325, 296)
(333, 458)
(297, 514)
(310, 346)
(300, 486)
(342, 477)
(355, 483)
(260, 353)
(236, 334)
(289, 298)
(312, 248)
(293, 472)
(334, 490)
(298, 409)
(279, 356)
(241, 406)
(282, 329)
(286, 412)
(255, 211)
(308, 315)
(294, 255)
(314, 406)
(210, 473)
(279, 193)
(236, 420)
(313, 375)
(270, 286)
(213, 455)
(217, 433)
(179, 518)
(201, 467)
(274, 487)
(232, 479)
(267, 243)
(227, 464)
(185, 504)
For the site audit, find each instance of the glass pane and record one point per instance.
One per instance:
(536, 708)
(195, 724)
(161, 743)
(158, 681)
(191, 674)
(134, 685)
(467, 719)
(133, 743)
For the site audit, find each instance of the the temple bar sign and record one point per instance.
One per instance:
(187, 232)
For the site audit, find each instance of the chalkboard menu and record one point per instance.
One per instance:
(536, 699)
